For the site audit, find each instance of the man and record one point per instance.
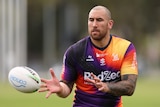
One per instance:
(102, 66)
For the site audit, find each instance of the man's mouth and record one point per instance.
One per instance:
(95, 30)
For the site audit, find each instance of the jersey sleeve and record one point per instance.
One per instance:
(129, 65)
(68, 73)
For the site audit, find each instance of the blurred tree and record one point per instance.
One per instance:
(134, 20)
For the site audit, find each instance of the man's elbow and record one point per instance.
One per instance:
(130, 91)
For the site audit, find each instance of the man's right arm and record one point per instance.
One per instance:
(65, 89)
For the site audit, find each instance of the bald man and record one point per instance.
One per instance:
(102, 66)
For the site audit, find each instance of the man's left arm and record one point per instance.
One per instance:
(124, 87)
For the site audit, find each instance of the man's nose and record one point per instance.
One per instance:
(95, 23)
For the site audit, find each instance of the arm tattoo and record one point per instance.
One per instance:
(124, 87)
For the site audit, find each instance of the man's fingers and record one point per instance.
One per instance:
(43, 80)
(48, 94)
(52, 72)
(101, 88)
(95, 78)
(43, 89)
(43, 85)
(90, 80)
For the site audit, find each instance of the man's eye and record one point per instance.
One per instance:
(99, 20)
(90, 19)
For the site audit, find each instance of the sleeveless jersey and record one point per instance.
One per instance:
(108, 64)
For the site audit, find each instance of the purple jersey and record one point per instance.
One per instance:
(108, 64)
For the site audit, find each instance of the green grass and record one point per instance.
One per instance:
(10, 97)
(147, 94)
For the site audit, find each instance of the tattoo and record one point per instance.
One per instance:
(124, 87)
(125, 77)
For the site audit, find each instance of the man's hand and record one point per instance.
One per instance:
(52, 85)
(97, 82)
(124, 87)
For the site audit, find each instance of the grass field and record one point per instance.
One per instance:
(147, 94)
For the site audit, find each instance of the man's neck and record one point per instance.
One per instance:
(101, 43)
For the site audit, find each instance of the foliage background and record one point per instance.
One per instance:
(136, 20)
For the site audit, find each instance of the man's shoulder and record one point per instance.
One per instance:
(79, 45)
(120, 40)
(81, 41)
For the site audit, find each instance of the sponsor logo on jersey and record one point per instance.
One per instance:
(104, 75)
(100, 55)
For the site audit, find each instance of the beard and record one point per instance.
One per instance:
(97, 35)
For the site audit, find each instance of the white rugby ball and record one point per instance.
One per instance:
(24, 79)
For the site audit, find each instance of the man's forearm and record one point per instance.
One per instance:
(124, 87)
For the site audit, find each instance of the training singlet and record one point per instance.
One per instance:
(116, 59)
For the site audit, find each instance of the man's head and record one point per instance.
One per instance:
(99, 22)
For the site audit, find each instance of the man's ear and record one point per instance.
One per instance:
(110, 24)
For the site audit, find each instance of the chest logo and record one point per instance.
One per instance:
(102, 62)
(115, 57)
(89, 58)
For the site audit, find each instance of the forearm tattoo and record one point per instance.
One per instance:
(124, 87)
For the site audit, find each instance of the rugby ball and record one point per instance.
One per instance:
(24, 79)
